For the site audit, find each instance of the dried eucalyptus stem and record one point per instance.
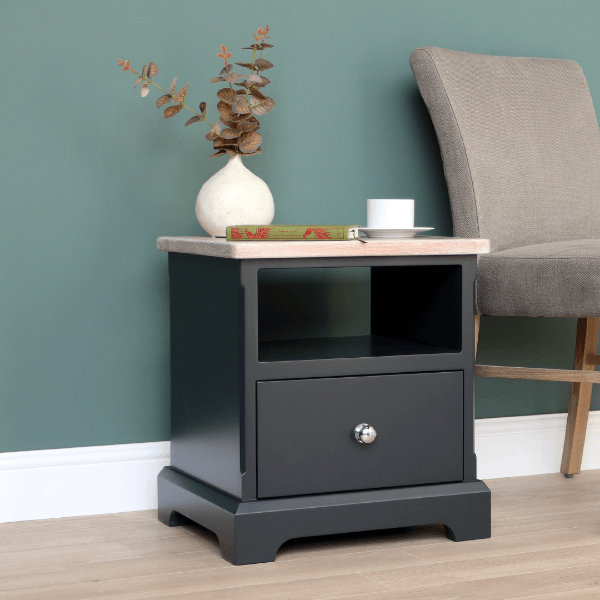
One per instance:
(237, 108)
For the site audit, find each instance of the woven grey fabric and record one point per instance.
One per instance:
(542, 280)
(454, 154)
(527, 137)
(521, 151)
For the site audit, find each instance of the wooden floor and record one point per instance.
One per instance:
(545, 545)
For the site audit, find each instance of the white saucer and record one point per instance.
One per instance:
(373, 232)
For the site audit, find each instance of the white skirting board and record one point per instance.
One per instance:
(47, 484)
(516, 446)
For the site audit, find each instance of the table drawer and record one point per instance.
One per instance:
(306, 442)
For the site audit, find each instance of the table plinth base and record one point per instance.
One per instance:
(253, 531)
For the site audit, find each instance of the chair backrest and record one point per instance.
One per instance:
(520, 145)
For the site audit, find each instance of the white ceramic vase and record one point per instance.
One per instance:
(234, 196)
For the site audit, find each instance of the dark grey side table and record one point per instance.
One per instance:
(274, 439)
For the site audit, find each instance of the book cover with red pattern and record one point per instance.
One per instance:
(269, 233)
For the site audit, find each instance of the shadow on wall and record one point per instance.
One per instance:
(427, 155)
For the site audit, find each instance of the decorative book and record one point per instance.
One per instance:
(266, 233)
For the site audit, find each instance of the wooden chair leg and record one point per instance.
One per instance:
(581, 394)
(477, 323)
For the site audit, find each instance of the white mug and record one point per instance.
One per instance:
(390, 214)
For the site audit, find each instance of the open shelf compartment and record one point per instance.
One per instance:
(352, 312)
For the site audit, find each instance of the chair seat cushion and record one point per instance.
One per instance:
(556, 279)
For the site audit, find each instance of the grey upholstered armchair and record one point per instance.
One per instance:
(521, 152)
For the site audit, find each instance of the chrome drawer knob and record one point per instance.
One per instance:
(365, 434)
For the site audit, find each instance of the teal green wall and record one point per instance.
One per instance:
(91, 175)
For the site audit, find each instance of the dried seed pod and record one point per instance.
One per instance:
(152, 70)
(173, 86)
(136, 83)
(144, 71)
(240, 107)
(219, 153)
(230, 134)
(262, 107)
(181, 94)
(171, 111)
(227, 95)
(194, 119)
(225, 110)
(145, 90)
(262, 64)
(202, 107)
(163, 100)
(246, 65)
(216, 79)
(248, 142)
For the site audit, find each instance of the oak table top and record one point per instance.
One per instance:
(416, 246)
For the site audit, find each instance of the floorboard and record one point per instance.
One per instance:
(545, 545)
